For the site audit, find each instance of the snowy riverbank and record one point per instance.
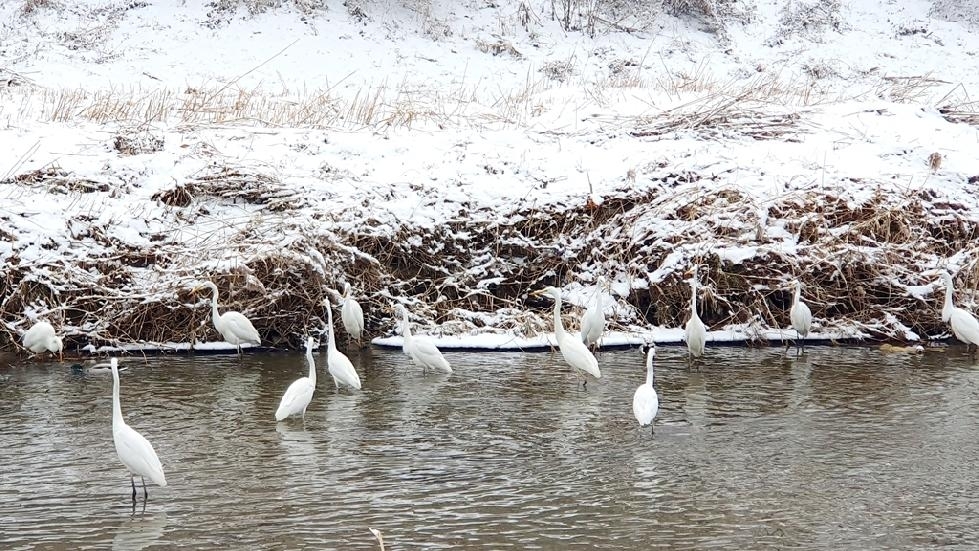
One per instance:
(397, 152)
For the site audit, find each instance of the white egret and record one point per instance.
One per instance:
(352, 315)
(801, 317)
(377, 534)
(696, 334)
(42, 338)
(337, 363)
(645, 403)
(593, 322)
(423, 352)
(134, 451)
(575, 353)
(964, 325)
(233, 326)
(300, 392)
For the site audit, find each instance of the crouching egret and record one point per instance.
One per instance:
(423, 352)
(964, 325)
(575, 353)
(337, 363)
(645, 403)
(41, 338)
(801, 317)
(134, 451)
(233, 326)
(352, 315)
(593, 322)
(300, 392)
(696, 331)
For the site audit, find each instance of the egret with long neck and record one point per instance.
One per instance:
(134, 451)
(574, 351)
(696, 331)
(645, 402)
(964, 325)
(337, 362)
(233, 326)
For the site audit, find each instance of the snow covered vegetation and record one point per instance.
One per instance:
(452, 157)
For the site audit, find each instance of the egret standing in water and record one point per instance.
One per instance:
(337, 363)
(352, 315)
(645, 403)
(135, 452)
(801, 317)
(964, 325)
(300, 392)
(41, 338)
(575, 353)
(233, 326)
(593, 322)
(696, 331)
(423, 352)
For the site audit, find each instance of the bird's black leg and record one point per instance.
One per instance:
(132, 480)
(652, 429)
(146, 494)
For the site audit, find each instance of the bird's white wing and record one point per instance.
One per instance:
(296, 398)
(36, 338)
(645, 404)
(592, 324)
(342, 370)
(353, 317)
(696, 335)
(579, 357)
(965, 326)
(241, 327)
(428, 355)
(138, 455)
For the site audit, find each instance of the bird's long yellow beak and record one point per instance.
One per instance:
(537, 293)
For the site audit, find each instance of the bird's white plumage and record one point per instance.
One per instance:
(645, 402)
(964, 325)
(233, 326)
(423, 352)
(42, 338)
(574, 351)
(135, 452)
(352, 315)
(800, 314)
(337, 362)
(593, 322)
(300, 393)
(696, 331)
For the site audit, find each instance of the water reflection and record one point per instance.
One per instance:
(836, 448)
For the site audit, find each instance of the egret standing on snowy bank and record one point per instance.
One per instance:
(42, 338)
(801, 317)
(575, 353)
(593, 322)
(233, 326)
(423, 352)
(135, 452)
(337, 363)
(696, 333)
(645, 403)
(352, 315)
(964, 325)
(300, 392)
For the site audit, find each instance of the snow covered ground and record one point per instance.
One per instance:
(452, 156)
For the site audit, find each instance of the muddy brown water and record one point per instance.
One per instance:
(841, 448)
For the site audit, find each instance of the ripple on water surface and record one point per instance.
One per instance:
(837, 448)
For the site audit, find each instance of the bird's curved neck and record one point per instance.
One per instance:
(649, 371)
(693, 296)
(117, 420)
(405, 330)
(330, 344)
(312, 365)
(214, 306)
(797, 295)
(947, 309)
(558, 325)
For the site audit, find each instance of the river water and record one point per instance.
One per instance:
(840, 448)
